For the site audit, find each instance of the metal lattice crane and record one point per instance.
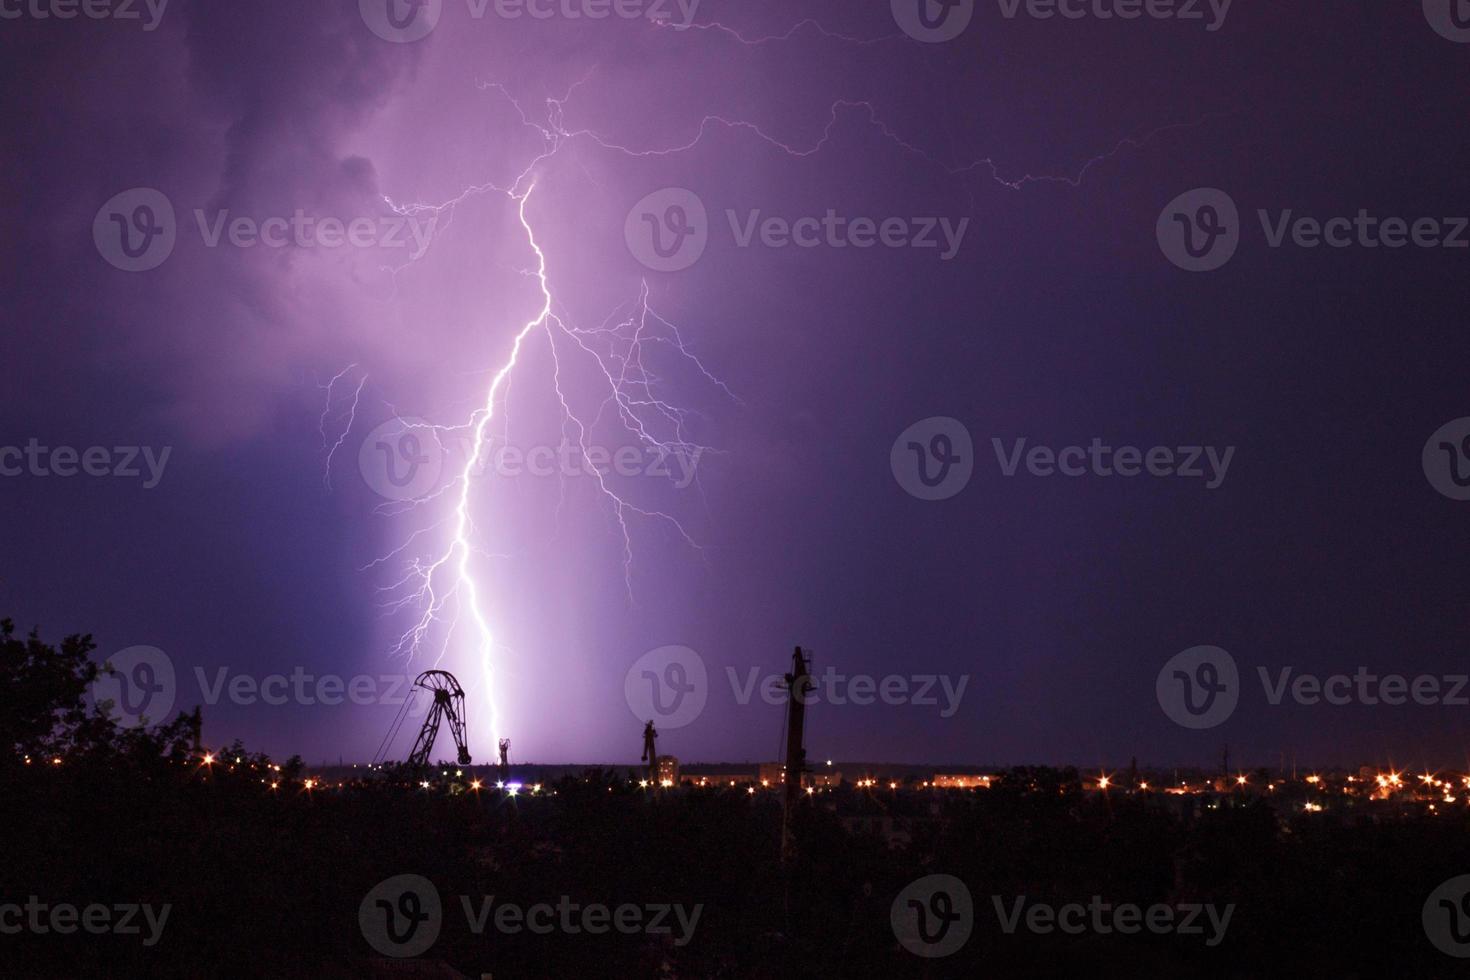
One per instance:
(448, 703)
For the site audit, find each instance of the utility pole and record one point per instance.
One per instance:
(798, 686)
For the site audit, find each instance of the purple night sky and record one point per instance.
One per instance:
(1057, 320)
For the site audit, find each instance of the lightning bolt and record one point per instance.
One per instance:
(346, 417)
(441, 585)
(444, 585)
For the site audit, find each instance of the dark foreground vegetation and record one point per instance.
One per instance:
(263, 881)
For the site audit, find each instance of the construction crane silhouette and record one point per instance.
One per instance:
(448, 703)
(799, 686)
(650, 751)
